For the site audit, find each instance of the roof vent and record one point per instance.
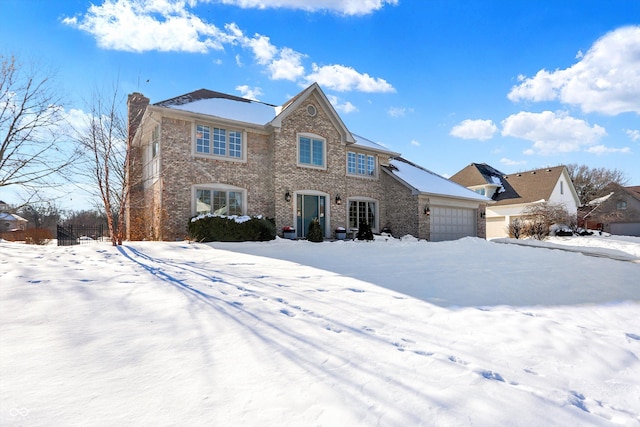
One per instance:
(311, 110)
(533, 172)
(519, 174)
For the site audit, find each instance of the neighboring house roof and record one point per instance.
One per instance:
(518, 188)
(634, 191)
(5, 216)
(423, 181)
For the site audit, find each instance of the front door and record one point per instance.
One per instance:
(309, 207)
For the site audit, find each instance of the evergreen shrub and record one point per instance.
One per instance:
(364, 231)
(315, 231)
(212, 228)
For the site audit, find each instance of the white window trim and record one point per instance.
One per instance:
(366, 165)
(376, 227)
(151, 163)
(324, 151)
(195, 153)
(217, 187)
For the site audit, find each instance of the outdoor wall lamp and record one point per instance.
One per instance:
(427, 211)
(483, 214)
(338, 199)
(287, 196)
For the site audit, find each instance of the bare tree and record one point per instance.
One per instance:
(31, 127)
(540, 216)
(104, 142)
(590, 183)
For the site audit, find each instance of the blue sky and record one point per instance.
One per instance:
(515, 84)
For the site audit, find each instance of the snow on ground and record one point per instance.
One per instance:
(390, 333)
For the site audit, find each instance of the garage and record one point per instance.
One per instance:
(452, 223)
(496, 227)
(625, 228)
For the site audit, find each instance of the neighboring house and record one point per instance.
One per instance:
(12, 222)
(209, 152)
(618, 212)
(514, 193)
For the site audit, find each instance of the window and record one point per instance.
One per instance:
(561, 187)
(218, 142)
(361, 164)
(621, 205)
(481, 191)
(151, 167)
(219, 202)
(311, 151)
(362, 211)
(155, 141)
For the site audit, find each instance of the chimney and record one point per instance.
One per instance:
(136, 104)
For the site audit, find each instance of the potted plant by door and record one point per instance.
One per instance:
(289, 232)
(341, 233)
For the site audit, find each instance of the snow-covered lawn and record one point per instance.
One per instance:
(283, 333)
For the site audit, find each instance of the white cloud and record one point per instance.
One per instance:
(342, 107)
(606, 79)
(288, 66)
(157, 25)
(399, 111)
(510, 162)
(343, 79)
(552, 132)
(168, 25)
(474, 129)
(345, 7)
(249, 92)
(262, 48)
(601, 149)
(415, 143)
(633, 134)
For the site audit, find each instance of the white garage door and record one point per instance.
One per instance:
(452, 223)
(496, 227)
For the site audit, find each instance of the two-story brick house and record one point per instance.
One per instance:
(209, 152)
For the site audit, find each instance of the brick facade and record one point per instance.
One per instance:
(160, 207)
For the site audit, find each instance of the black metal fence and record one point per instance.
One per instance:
(69, 235)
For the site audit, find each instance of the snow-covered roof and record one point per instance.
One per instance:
(217, 104)
(250, 112)
(364, 142)
(425, 181)
(600, 200)
(5, 216)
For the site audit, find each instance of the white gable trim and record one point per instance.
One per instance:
(324, 103)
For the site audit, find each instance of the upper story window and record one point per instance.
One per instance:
(311, 151)
(219, 142)
(155, 141)
(481, 191)
(151, 165)
(361, 164)
(621, 204)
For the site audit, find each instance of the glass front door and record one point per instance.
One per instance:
(309, 207)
